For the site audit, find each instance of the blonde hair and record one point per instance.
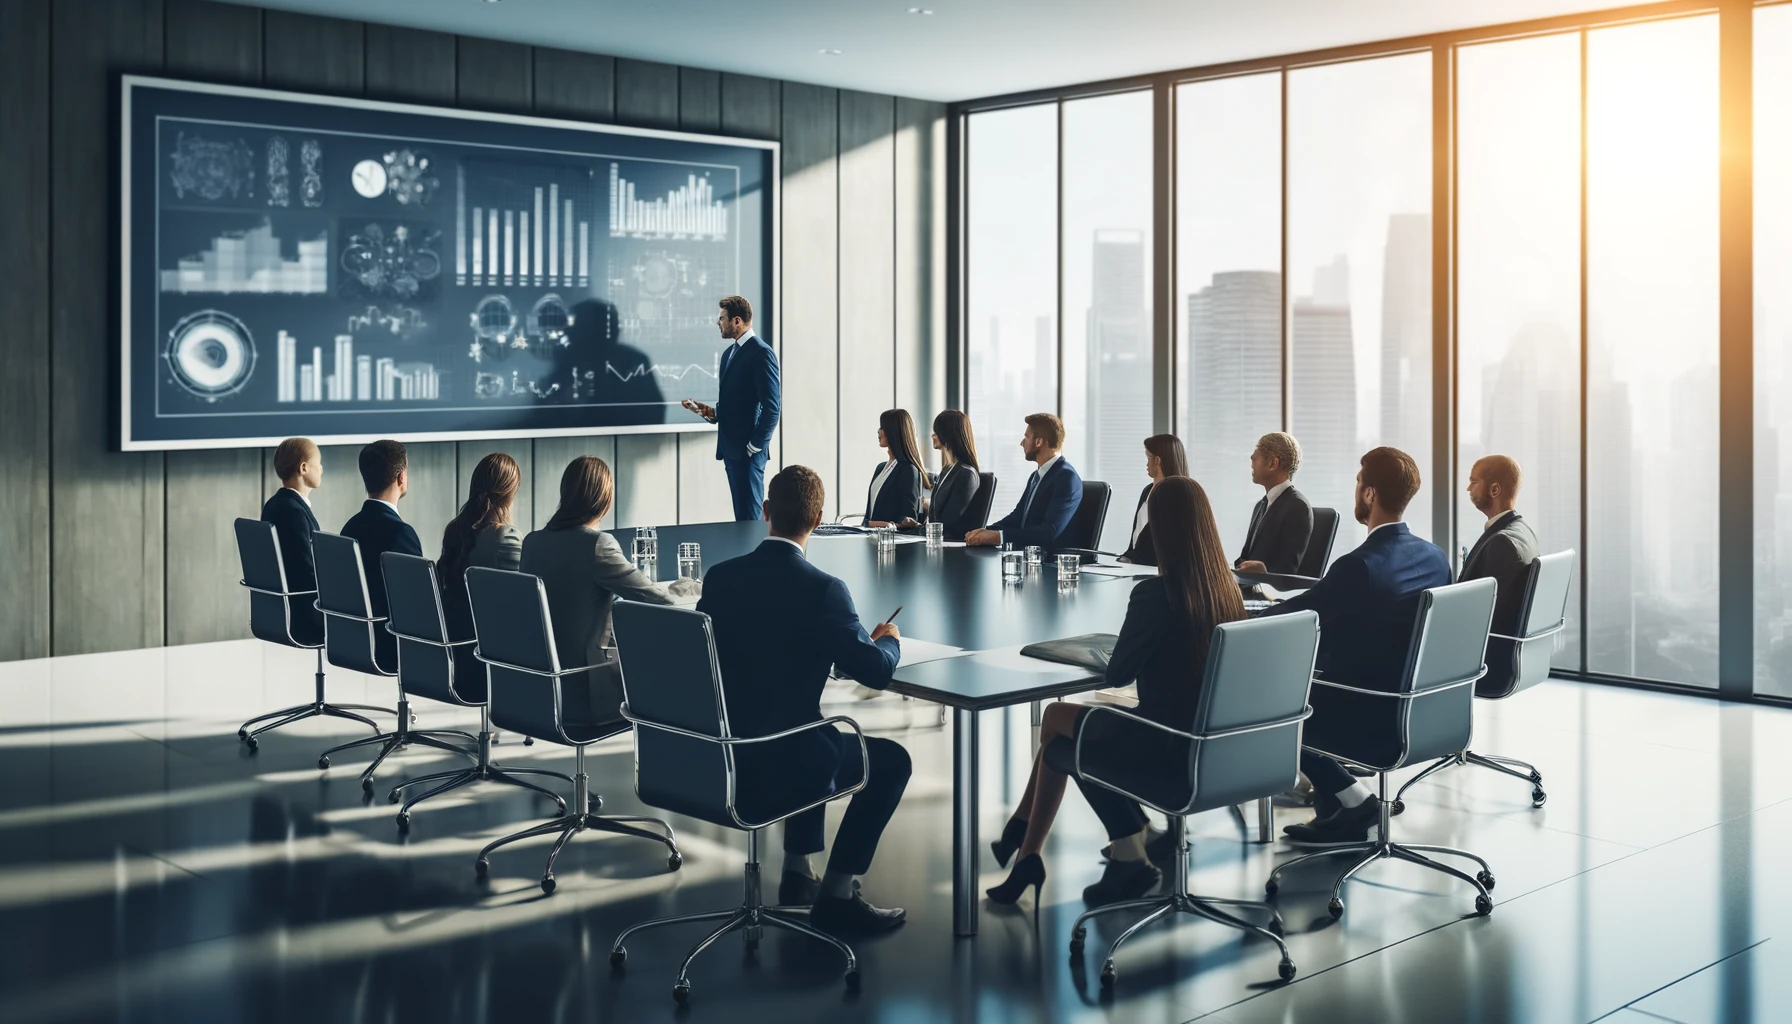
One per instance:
(1281, 447)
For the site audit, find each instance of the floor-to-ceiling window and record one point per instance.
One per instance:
(1011, 322)
(1772, 464)
(1359, 268)
(1228, 284)
(1106, 254)
(1652, 332)
(1518, 211)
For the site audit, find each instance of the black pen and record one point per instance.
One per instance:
(893, 615)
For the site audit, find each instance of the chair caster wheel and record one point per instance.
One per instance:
(852, 979)
(366, 785)
(482, 869)
(682, 992)
(1486, 879)
(618, 958)
(1397, 807)
(404, 821)
(674, 861)
(1538, 797)
(1270, 887)
(252, 744)
(1076, 940)
(547, 885)
(1336, 908)
(1483, 905)
(323, 764)
(529, 741)
(1286, 970)
(1108, 974)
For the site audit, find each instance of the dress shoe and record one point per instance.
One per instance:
(1347, 827)
(839, 915)
(1028, 871)
(1012, 834)
(798, 890)
(1159, 847)
(1123, 880)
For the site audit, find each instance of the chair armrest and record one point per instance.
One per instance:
(370, 620)
(729, 742)
(1551, 631)
(1193, 737)
(1401, 696)
(532, 671)
(842, 521)
(426, 640)
(277, 593)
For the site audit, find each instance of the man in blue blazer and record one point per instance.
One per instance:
(1367, 605)
(780, 624)
(746, 410)
(377, 528)
(300, 468)
(1051, 499)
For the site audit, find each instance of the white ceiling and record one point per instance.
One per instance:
(964, 50)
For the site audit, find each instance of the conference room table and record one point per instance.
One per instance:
(957, 597)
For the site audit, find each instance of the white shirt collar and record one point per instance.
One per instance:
(1049, 463)
(1384, 526)
(302, 497)
(742, 340)
(1276, 492)
(1489, 524)
(792, 543)
(386, 503)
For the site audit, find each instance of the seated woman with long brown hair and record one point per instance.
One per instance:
(480, 535)
(1162, 646)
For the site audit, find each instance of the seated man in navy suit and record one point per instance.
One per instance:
(300, 468)
(780, 624)
(1367, 605)
(385, 470)
(1051, 499)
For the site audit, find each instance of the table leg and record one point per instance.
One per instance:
(964, 822)
(1265, 821)
(1037, 705)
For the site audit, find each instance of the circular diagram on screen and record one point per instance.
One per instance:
(211, 354)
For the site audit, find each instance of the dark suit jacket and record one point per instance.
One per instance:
(1044, 520)
(294, 523)
(1279, 533)
(1504, 553)
(747, 394)
(900, 498)
(1141, 551)
(953, 491)
(780, 624)
(378, 529)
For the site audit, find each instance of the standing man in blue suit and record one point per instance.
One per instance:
(746, 409)
(1367, 605)
(1051, 499)
(780, 624)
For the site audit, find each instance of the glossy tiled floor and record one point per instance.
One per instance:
(152, 870)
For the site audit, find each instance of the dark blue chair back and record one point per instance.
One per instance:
(276, 614)
(428, 666)
(354, 638)
(982, 500)
(1319, 545)
(516, 643)
(671, 679)
(1086, 524)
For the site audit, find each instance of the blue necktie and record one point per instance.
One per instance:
(1026, 500)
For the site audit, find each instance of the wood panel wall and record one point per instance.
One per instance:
(103, 550)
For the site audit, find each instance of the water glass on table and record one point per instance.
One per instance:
(647, 543)
(1035, 556)
(690, 561)
(1070, 569)
(886, 537)
(1014, 566)
(936, 536)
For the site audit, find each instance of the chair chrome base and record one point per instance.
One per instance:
(750, 919)
(315, 709)
(1180, 901)
(483, 771)
(1506, 765)
(402, 735)
(1382, 847)
(580, 819)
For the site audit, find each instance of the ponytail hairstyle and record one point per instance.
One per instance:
(490, 495)
(899, 433)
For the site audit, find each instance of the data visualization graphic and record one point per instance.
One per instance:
(322, 266)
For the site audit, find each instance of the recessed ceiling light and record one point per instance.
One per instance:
(827, 52)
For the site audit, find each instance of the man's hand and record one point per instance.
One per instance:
(1253, 566)
(886, 629)
(982, 538)
(708, 412)
(908, 523)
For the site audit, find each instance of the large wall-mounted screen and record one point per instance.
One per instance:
(345, 269)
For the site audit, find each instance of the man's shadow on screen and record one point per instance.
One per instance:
(621, 374)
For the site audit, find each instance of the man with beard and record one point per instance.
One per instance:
(1367, 604)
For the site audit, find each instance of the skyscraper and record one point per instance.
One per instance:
(1324, 397)
(1234, 388)
(1118, 379)
(1406, 335)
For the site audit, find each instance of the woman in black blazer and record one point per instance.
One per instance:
(895, 492)
(955, 489)
(1162, 646)
(1164, 457)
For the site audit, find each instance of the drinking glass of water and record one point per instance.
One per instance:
(690, 560)
(936, 536)
(1070, 568)
(1035, 556)
(1014, 566)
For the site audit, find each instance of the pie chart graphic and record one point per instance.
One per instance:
(211, 354)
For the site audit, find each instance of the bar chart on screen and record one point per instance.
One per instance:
(524, 226)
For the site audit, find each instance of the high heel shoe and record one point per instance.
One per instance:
(1028, 871)
(1012, 834)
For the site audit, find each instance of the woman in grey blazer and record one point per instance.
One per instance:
(584, 571)
(480, 535)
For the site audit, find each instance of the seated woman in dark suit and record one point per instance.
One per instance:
(1163, 647)
(895, 492)
(584, 571)
(1164, 457)
(481, 535)
(955, 489)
